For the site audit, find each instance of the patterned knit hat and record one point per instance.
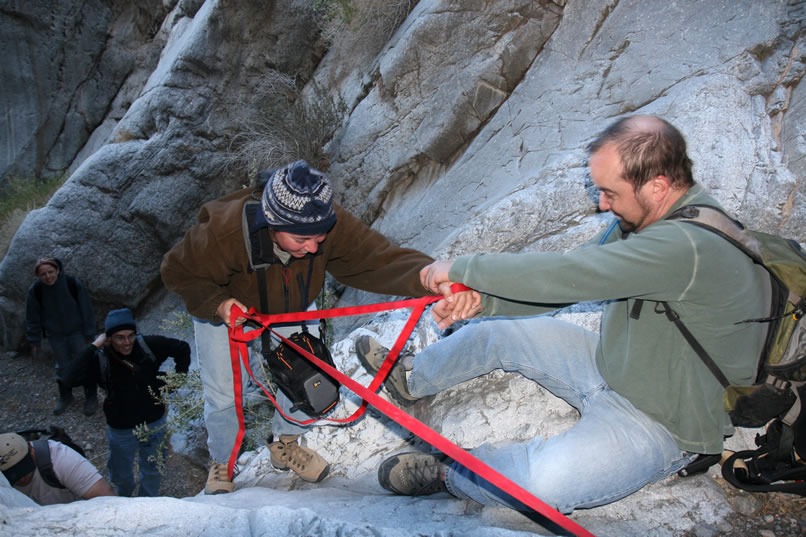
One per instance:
(299, 199)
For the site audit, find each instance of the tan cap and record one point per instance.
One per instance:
(13, 448)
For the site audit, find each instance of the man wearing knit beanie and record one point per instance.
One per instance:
(282, 237)
(127, 366)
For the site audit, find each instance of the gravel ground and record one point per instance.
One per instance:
(28, 395)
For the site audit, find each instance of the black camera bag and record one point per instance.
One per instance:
(309, 389)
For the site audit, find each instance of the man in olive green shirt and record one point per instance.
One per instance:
(647, 403)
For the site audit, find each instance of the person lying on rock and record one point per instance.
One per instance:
(127, 366)
(288, 234)
(647, 402)
(78, 477)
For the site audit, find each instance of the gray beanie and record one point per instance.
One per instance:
(299, 199)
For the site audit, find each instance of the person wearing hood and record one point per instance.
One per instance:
(58, 308)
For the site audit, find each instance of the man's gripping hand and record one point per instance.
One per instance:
(431, 276)
(455, 306)
(223, 311)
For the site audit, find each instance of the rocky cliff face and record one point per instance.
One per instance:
(69, 67)
(466, 132)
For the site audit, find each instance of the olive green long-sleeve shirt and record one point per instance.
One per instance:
(710, 283)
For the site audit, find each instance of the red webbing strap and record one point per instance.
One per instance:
(412, 424)
(237, 386)
(238, 349)
(238, 339)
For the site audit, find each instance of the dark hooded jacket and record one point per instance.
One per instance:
(130, 382)
(59, 310)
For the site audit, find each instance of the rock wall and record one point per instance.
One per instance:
(128, 202)
(472, 116)
(466, 132)
(67, 66)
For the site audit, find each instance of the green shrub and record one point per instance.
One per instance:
(184, 396)
(18, 197)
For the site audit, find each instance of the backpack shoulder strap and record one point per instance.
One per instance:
(770, 468)
(72, 285)
(717, 221)
(103, 369)
(663, 307)
(38, 292)
(44, 464)
(146, 349)
(610, 229)
(259, 247)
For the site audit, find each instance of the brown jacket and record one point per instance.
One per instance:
(210, 264)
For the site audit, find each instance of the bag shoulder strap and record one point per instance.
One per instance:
(72, 285)
(265, 336)
(717, 221)
(146, 349)
(663, 307)
(770, 468)
(44, 464)
(103, 368)
(38, 292)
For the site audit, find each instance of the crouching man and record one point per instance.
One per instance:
(78, 478)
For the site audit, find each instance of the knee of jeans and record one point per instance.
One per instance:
(559, 488)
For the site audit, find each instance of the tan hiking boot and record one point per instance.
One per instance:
(413, 474)
(372, 354)
(218, 481)
(287, 454)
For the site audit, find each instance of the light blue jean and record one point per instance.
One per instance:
(123, 446)
(215, 367)
(612, 451)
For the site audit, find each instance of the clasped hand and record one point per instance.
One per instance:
(454, 306)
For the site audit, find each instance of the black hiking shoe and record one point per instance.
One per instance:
(62, 405)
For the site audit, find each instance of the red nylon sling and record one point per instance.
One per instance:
(238, 349)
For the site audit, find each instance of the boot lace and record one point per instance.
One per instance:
(424, 478)
(220, 472)
(296, 456)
